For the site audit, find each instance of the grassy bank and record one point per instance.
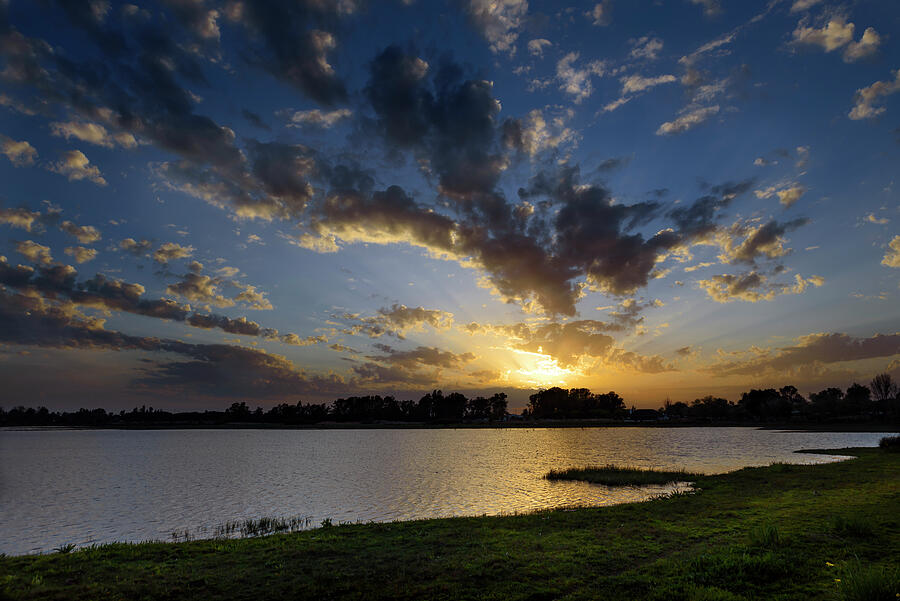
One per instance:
(780, 532)
(614, 475)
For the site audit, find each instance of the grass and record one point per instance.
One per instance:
(753, 534)
(612, 475)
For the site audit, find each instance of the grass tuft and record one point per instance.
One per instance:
(612, 475)
(851, 525)
(766, 535)
(860, 582)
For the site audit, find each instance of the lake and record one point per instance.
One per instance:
(94, 486)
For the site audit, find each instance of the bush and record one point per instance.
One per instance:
(890, 443)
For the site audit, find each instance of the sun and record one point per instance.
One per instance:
(539, 369)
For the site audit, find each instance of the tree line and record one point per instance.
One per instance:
(877, 400)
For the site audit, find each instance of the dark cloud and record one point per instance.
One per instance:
(825, 347)
(421, 356)
(255, 120)
(763, 240)
(291, 40)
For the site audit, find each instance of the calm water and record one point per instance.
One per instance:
(91, 486)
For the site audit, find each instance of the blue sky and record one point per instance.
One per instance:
(212, 201)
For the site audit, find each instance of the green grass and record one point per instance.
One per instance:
(612, 475)
(755, 534)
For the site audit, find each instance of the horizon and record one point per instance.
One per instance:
(211, 202)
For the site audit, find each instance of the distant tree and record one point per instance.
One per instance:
(856, 400)
(883, 388)
(498, 406)
(826, 402)
(792, 397)
(237, 412)
(764, 404)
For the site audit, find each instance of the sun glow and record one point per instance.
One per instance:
(538, 369)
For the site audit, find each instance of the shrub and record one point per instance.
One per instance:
(890, 443)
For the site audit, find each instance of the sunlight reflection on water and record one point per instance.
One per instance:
(91, 486)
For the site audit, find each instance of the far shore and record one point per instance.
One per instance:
(867, 426)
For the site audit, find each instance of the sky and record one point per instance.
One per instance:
(207, 201)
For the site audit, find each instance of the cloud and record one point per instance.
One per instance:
(499, 22)
(199, 288)
(396, 321)
(168, 251)
(86, 234)
(253, 298)
(871, 218)
(865, 98)
(81, 254)
(426, 356)
(20, 154)
(753, 287)
(824, 347)
(711, 8)
(536, 47)
(93, 133)
(646, 47)
(255, 120)
(638, 83)
(34, 252)
(743, 242)
(291, 44)
(56, 282)
(318, 118)
(533, 134)
(801, 5)
(576, 81)
(837, 33)
(137, 248)
(786, 196)
(600, 15)
(689, 120)
(892, 256)
(20, 218)
(76, 167)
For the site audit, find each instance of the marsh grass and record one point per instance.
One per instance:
(613, 475)
(860, 582)
(262, 526)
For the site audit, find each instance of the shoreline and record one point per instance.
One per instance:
(797, 531)
(878, 427)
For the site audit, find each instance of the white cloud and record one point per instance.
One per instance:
(34, 252)
(499, 21)
(93, 133)
(871, 218)
(838, 33)
(865, 98)
(76, 166)
(687, 121)
(801, 5)
(20, 154)
(638, 83)
(892, 256)
(81, 254)
(318, 118)
(601, 13)
(711, 8)
(577, 81)
(536, 47)
(646, 48)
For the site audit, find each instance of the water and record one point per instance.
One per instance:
(95, 486)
